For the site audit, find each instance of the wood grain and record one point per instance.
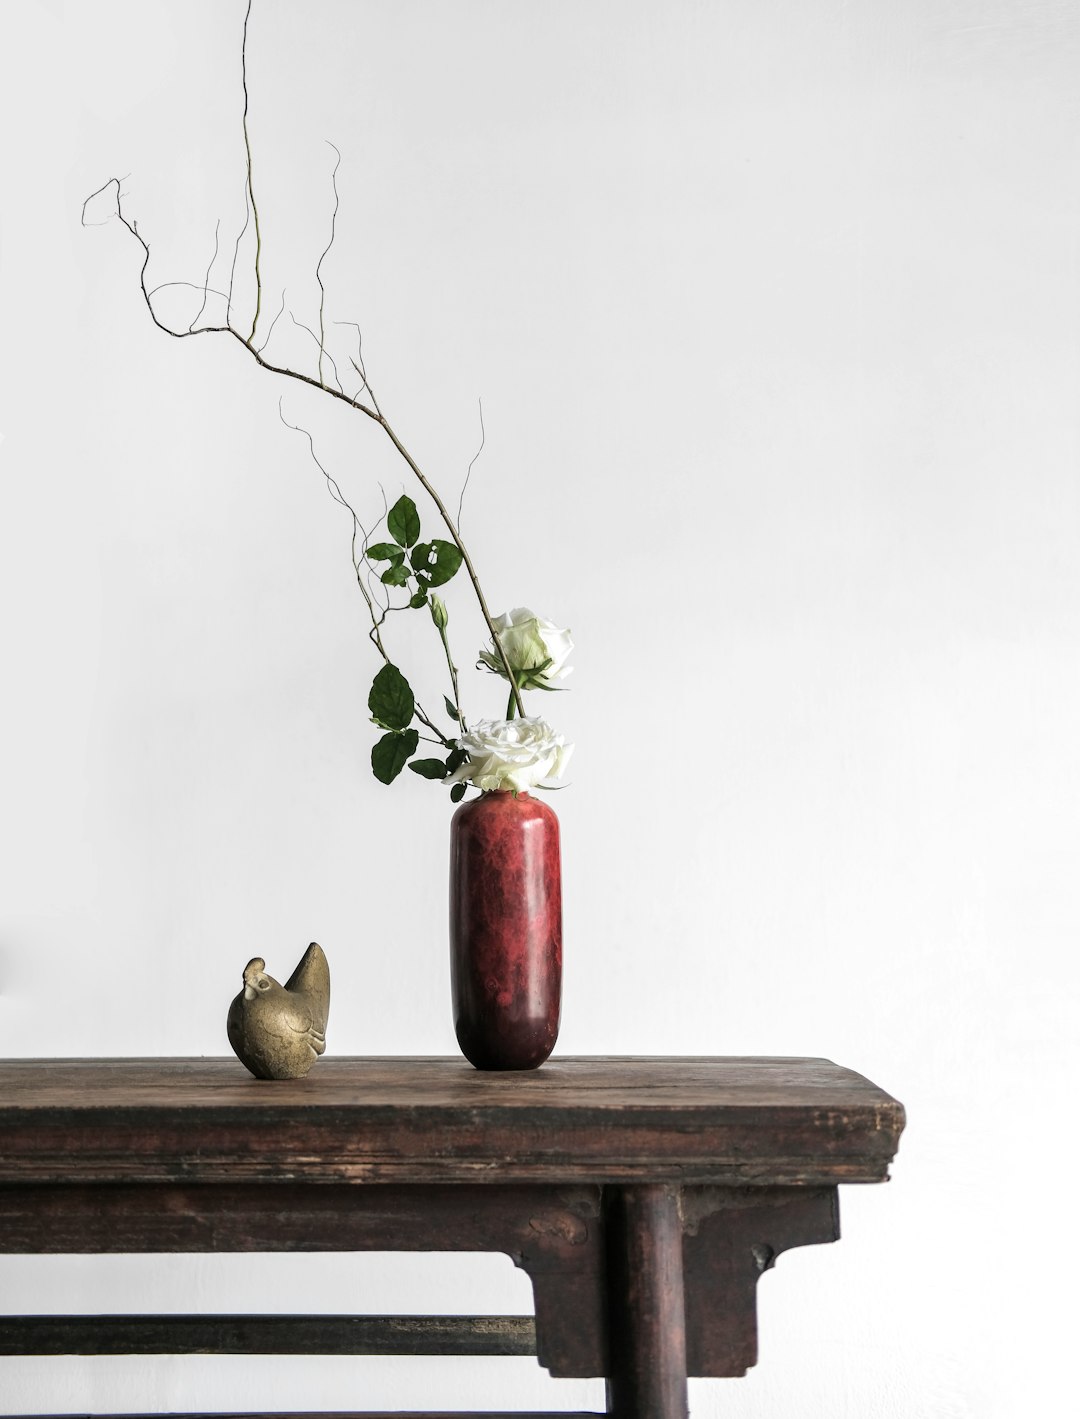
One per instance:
(267, 1335)
(643, 1197)
(694, 1121)
(646, 1350)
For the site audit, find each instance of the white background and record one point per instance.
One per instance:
(773, 309)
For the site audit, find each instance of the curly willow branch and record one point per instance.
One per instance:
(371, 411)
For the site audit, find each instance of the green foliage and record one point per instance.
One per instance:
(455, 760)
(428, 768)
(390, 755)
(386, 552)
(457, 793)
(391, 700)
(437, 561)
(403, 522)
(417, 567)
(445, 561)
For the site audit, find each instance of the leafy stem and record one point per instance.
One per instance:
(453, 677)
(360, 550)
(452, 528)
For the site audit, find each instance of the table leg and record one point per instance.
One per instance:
(646, 1306)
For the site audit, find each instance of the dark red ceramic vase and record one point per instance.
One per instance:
(505, 930)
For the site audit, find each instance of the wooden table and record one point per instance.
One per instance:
(643, 1197)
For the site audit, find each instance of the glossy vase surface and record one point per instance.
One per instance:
(505, 930)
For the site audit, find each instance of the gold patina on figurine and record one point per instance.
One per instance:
(278, 1031)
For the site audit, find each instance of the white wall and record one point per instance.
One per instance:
(772, 306)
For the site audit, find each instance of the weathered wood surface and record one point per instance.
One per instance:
(643, 1197)
(267, 1335)
(695, 1121)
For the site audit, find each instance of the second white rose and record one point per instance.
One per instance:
(537, 649)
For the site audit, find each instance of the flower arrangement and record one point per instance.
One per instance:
(515, 753)
(529, 652)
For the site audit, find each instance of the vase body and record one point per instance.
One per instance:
(505, 930)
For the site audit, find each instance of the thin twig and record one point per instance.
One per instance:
(191, 286)
(250, 187)
(322, 258)
(236, 254)
(133, 228)
(101, 189)
(358, 364)
(275, 320)
(322, 351)
(206, 281)
(360, 371)
(476, 455)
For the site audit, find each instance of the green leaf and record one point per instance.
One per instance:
(451, 708)
(395, 576)
(447, 560)
(420, 556)
(391, 700)
(428, 768)
(457, 793)
(385, 552)
(390, 755)
(403, 522)
(418, 599)
(456, 759)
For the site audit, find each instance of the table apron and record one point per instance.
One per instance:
(564, 1238)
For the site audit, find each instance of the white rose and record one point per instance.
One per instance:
(511, 753)
(536, 649)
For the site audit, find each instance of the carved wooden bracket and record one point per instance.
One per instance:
(729, 1237)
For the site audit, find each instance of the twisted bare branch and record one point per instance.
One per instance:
(371, 411)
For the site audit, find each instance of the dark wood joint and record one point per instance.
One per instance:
(562, 1252)
(730, 1237)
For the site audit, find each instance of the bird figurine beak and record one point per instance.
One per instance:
(255, 978)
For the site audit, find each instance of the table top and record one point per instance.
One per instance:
(406, 1120)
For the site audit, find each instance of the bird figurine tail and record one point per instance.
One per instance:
(278, 1031)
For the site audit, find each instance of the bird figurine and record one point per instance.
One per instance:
(278, 1031)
